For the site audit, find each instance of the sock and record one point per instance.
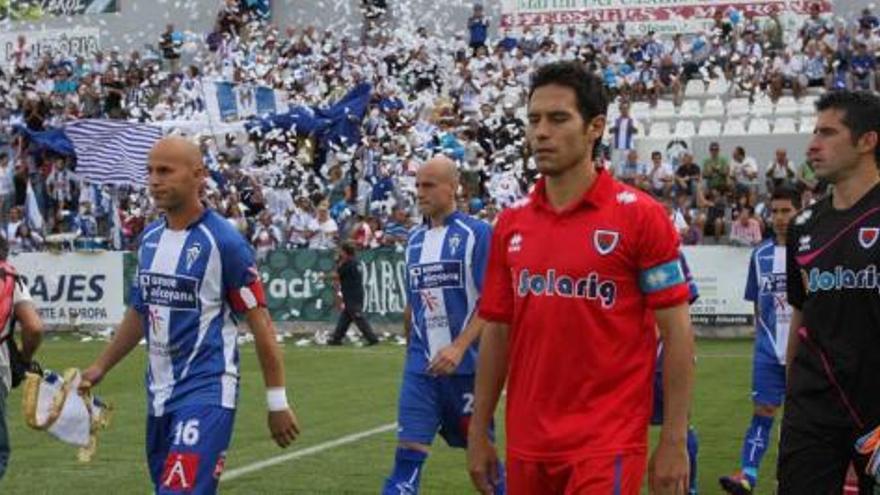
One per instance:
(404, 480)
(501, 487)
(755, 446)
(693, 446)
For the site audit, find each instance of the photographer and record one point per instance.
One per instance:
(15, 306)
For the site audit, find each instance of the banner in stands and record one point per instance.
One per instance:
(720, 273)
(35, 10)
(241, 101)
(640, 16)
(80, 41)
(75, 288)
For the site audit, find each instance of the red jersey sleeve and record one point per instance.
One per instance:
(661, 277)
(496, 301)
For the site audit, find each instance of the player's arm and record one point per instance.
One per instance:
(448, 358)
(127, 336)
(31, 329)
(282, 421)
(407, 322)
(797, 321)
(678, 381)
(491, 375)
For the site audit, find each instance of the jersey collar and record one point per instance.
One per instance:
(192, 225)
(597, 195)
(446, 222)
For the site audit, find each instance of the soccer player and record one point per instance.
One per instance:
(693, 444)
(574, 273)
(445, 259)
(765, 287)
(196, 276)
(833, 394)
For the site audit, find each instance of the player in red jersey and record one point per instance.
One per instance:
(574, 271)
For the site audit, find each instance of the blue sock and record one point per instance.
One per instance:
(693, 446)
(404, 480)
(755, 446)
(501, 487)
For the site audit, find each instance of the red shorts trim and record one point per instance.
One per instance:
(613, 475)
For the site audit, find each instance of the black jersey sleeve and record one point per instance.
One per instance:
(794, 281)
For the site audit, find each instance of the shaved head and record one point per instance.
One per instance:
(177, 149)
(436, 185)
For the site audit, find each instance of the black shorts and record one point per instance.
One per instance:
(815, 459)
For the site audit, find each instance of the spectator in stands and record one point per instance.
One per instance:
(171, 44)
(781, 171)
(301, 224)
(266, 236)
(863, 69)
(806, 177)
(6, 187)
(397, 228)
(688, 176)
(716, 169)
(85, 223)
(623, 130)
(326, 230)
(632, 171)
(743, 172)
(787, 71)
(661, 176)
(478, 28)
(745, 231)
(25, 240)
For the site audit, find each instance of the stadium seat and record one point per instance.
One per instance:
(685, 129)
(713, 108)
(734, 127)
(738, 107)
(784, 125)
(659, 130)
(759, 126)
(808, 104)
(807, 124)
(695, 88)
(710, 128)
(690, 108)
(641, 110)
(717, 87)
(665, 109)
(787, 105)
(762, 106)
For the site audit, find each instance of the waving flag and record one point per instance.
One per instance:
(112, 151)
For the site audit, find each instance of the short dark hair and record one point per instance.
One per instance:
(592, 98)
(787, 193)
(861, 112)
(348, 248)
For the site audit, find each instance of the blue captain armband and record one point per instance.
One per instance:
(661, 277)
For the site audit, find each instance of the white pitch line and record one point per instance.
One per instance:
(273, 461)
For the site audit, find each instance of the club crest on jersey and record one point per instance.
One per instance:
(605, 241)
(515, 244)
(454, 243)
(868, 236)
(192, 254)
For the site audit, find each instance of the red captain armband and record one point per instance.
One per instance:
(248, 297)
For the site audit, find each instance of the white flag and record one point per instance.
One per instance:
(32, 210)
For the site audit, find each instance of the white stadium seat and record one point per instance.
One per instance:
(807, 124)
(665, 109)
(685, 129)
(695, 88)
(787, 105)
(808, 104)
(713, 108)
(738, 107)
(734, 127)
(784, 125)
(717, 87)
(759, 126)
(690, 108)
(659, 130)
(762, 106)
(640, 110)
(710, 128)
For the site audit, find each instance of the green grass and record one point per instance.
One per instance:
(337, 392)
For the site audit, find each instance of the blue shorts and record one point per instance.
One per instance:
(186, 449)
(768, 381)
(429, 405)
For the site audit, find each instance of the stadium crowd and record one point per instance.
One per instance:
(464, 98)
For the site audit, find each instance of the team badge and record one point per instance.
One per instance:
(515, 244)
(192, 254)
(868, 236)
(454, 243)
(605, 241)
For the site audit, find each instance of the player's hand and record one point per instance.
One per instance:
(668, 469)
(446, 360)
(90, 377)
(284, 427)
(482, 462)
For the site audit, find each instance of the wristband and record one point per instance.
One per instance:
(276, 399)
